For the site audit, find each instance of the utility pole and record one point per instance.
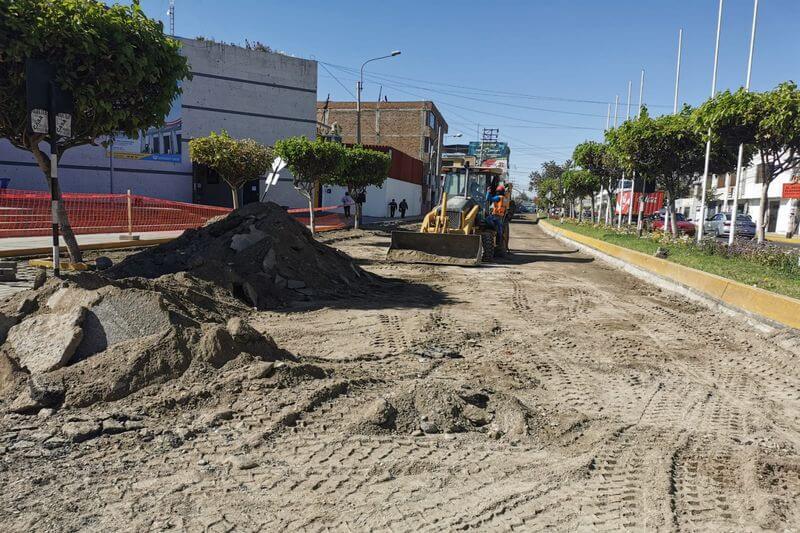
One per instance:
(678, 72)
(735, 204)
(608, 117)
(704, 185)
(633, 179)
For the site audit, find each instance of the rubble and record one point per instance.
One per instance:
(259, 253)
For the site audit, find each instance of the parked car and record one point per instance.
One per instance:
(719, 225)
(684, 226)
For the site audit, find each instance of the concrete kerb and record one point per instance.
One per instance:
(762, 309)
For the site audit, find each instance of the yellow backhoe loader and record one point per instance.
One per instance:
(462, 229)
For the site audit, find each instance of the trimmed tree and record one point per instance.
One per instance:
(312, 163)
(769, 122)
(122, 70)
(579, 184)
(361, 168)
(604, 164)
(237, 161)
(671, 150)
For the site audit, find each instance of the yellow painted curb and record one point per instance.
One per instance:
(779, 238)
(776, 307)
(25, 252)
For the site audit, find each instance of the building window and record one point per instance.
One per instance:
(427, 145)
(431, 120)
(178, 141)
(167, 147)
(156, 147)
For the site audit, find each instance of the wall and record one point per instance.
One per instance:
(377, 204)
(249, 93)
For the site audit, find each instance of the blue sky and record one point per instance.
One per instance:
(541, 71)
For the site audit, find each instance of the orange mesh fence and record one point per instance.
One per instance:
(27, 214)
(325, 218)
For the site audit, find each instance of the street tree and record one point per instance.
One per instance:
(769, 122)
(311, 163)
(669, 149)
(236, 161)
(604, 164)
(578, 184)
(361, 168)
(550, 171)
(121, 69)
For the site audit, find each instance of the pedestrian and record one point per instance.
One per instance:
(403, 208)
(347, 202)
(392, 208)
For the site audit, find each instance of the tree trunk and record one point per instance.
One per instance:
(235, 197)
(792, 227)
(673, 224)
(608, 209)
(74, 251)
(592, 217)
(312, 197)
(580, 209)
(640, 219)
(357, 219)
(761, 229)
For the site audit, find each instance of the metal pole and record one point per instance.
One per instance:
(51, 119)
(608, 117)
(638, 114)
(111, 166)
(628, 112)
(641, 92)
(739, 169)
(678, 71)
(358, 108)
(616, 109)
(130, 215)
(704, 185)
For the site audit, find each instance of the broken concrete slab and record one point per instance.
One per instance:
(68, 298)
(242, 241)
(122, 315)
(47, 341)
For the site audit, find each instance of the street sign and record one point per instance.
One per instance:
(39, 120)
(63, 124)
(791, 190)
(43, 93)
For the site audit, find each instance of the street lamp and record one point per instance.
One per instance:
(359, 86)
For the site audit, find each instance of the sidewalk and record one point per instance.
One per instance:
(21, 246)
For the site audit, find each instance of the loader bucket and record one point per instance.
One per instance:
(439, 248)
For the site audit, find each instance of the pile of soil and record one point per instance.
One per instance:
(90, 339)
(432, 407)
(259, 253)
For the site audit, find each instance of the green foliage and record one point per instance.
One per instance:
(121, 68)
(669, 149)
(237, 161)
(580, 183)
(360, 167)
(550, 170)
(768, 122)
(600, 160)
(549, 192)
(311, 162)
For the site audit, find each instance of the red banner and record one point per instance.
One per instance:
(791, 190)
(652, 202)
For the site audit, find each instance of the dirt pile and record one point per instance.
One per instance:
(444, 407)
(258, 253)
(89, 339)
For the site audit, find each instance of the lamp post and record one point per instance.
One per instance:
(359, 86)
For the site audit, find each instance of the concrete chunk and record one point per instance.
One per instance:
(45, 342)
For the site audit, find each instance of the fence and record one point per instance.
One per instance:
(27, 214)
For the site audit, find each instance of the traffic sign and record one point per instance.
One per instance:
(791, 190)
(63, 124)
(39, 120)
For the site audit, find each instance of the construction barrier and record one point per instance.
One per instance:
(27, 214)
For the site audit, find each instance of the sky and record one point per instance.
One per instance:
(543, 72)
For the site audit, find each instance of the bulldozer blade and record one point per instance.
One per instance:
(438, 248)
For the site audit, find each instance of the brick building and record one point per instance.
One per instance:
(415, 128)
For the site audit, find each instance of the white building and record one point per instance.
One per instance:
(720, 197)
(258, 94)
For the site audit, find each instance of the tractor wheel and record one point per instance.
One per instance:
(487, 241)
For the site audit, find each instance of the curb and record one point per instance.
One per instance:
(25, 252)
(779, 238)
(756, 303)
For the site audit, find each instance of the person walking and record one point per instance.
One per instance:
(403, 208)
(347, 203)
(392, 208)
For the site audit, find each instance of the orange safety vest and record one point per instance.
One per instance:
(499, 207)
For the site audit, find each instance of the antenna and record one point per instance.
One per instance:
(171, 13)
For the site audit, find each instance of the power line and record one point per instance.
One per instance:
(337, 79)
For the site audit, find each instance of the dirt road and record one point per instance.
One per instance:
(548, 390)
